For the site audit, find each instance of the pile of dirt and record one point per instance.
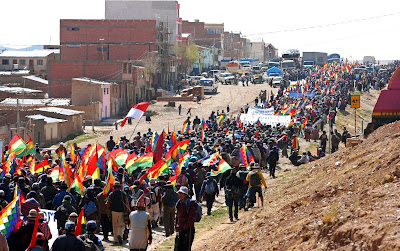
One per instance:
(347, 201)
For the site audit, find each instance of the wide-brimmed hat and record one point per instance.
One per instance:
(184, 190)
(117, 184)
(32, 213)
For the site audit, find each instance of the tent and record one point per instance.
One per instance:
(274, 70)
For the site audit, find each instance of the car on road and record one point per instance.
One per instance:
(194, 80)
(209, 85)
(271, 76)
(277, 81)
(226, 78)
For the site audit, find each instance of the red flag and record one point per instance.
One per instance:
(34, 234)
(159, 147)
(81, 220)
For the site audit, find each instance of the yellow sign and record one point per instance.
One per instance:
(355, 101)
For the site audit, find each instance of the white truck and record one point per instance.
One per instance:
(226, 78)
(209, 85)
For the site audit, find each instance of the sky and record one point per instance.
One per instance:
(285, 23)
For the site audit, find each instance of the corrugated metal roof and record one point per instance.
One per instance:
(26, 54)
(48, 120)
(36, 102)
(62, 111)
(37, 79)
(94, 81)
(18, 90)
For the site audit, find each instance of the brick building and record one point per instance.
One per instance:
(107, 39)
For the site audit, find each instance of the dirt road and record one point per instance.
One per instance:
(236, 96)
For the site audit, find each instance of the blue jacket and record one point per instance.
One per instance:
(57, 201)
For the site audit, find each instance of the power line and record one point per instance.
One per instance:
(325, 25)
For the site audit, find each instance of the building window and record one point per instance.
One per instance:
(15, 61)
(102, 49)
(129, 68)
(125, 65)
(39, 62)
(72, 28)
(104, 90)
(5, 62)
(107, 90)
(22, 62)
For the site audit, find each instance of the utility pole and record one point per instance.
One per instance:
(18, 116)
(91, 103)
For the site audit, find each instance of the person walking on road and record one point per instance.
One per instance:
(256, 180)
(272, 159)
(232, 190)
(179, 109)
(184, 222)
(209, 190)
(117, 201)
(140, 224)
(169, 200)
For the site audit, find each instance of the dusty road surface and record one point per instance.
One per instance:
(236, 96)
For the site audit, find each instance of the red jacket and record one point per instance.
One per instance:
(185, 218)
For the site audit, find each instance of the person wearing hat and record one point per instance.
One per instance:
(255, 179)
(242, 174)
(184, 222)
(118, 203)
(63, 211)
(48, 190)
(140, 224)
(30, 203)
(90, 238)
(25, 232)
(5, 186)
(155, 196)
(209, 189)
(39, 196)
(200, 176)
(61, 149)
(272, 159)
(45, 229)
(68, 241)
(169, 200)
(40, 242)
(58, 199)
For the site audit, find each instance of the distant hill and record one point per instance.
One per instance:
(30, 48)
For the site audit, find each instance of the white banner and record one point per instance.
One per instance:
(259, 111)
(265, 119)
(49, 216)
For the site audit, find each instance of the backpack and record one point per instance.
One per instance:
(136, 196)
(154, 197)
(90, 208)
(89, 243)
(255, 179)
(210, 187)
(197, 206)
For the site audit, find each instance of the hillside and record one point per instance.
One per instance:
(347, 201)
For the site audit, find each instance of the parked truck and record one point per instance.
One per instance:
(319, 58)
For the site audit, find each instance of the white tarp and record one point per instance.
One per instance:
(258, 111)
(49, 216)
(265, 119)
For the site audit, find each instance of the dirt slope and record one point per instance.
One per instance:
(349, 201)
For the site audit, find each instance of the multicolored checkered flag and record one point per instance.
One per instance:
(10, 216)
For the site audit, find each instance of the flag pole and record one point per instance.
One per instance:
(134, 129)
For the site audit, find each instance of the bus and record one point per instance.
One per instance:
(334, 57)
(288, 65)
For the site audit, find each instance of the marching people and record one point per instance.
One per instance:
(232, 193)
(209, 190)
(255, 179)
(184, 221)
(140, 226)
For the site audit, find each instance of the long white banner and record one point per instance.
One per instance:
(265, 119)
(258, 111)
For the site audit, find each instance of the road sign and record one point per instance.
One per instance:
(355, 101)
